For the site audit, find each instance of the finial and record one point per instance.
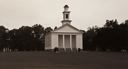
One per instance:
(66, 6)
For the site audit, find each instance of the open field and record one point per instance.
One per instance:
(51, 60)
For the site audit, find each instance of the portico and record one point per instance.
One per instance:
(67, 41)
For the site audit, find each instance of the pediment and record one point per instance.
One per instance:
(67, 28)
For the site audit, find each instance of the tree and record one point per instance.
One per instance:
(13, 35)
(25, 38)
(111, 36)
(3, 37)
(89, 38)
(38, 36)
(48, 29)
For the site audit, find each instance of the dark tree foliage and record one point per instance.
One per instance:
(48, 29)
(112, 36)
(88, 39)
(25, 38)
(3, 37)
(38, 33)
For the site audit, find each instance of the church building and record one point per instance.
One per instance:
(66, 37)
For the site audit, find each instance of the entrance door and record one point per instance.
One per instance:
(67, 41)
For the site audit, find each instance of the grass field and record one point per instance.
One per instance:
(51, 60)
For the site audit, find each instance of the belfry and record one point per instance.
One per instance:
(66, 37)
(66, 15)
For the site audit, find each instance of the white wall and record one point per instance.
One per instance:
(79, 41)
(54, 40)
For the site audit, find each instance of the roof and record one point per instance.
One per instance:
(69, 26)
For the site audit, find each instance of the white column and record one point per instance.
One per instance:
(63, 42)
(71, 42)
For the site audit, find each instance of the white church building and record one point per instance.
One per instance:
(66, 36)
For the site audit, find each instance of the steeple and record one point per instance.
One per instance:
(66, 15)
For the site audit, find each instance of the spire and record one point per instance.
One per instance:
(66, 15)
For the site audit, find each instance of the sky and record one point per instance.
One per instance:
(84, 13)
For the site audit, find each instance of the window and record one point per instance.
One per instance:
(67, 16)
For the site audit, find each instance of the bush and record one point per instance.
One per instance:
(56, 49)
(79, 49)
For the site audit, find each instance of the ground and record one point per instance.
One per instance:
(51, 60)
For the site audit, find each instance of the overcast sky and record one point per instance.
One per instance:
(84, 13)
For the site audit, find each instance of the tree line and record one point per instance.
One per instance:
(25, 38)
(111, 37)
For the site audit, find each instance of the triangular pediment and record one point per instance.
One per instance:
(67, 28)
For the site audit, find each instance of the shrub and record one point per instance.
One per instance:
(79, 49)
(56, 49)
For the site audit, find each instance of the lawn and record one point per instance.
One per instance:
(51, 60)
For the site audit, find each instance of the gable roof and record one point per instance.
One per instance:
(69, 26)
